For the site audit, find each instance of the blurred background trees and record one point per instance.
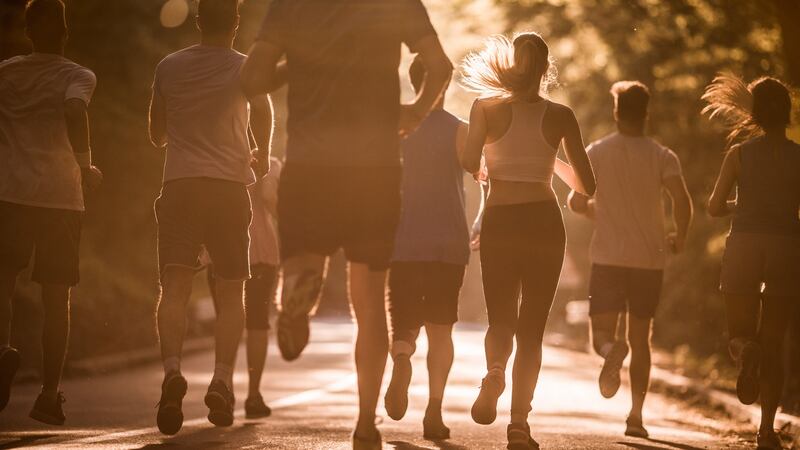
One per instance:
(674, 46)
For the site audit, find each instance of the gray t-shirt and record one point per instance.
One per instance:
(207, 114)
(37, 163)
(629, 208)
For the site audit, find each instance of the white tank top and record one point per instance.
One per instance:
(522, 153)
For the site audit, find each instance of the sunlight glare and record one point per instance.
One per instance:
(174, 13)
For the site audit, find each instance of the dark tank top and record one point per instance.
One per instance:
(768, 191)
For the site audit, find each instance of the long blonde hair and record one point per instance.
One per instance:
(521, 68)
(746, 110)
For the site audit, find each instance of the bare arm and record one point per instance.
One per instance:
(682, 209)
(718, 205)
(576, 155)
(439, 70)
(261, 73)
(76, 116)
(158, 121)
(261, 126)
(476, 138)
(567, 174)
(581, 204)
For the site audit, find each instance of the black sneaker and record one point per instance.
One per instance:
(170, 413)
(220, 401)
(635, 428)
(768, 440)
(747, 385)
(293, 321)
(49, 411)
(255, 408)
(484, 410)
(609, 380)
(9, 363)
(396, 398)
(519, 437)
(433, 426)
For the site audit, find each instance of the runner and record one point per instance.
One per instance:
(45, 169)
(522, 239)
(259, 290)
(340, 187)
(760, 267)
(430, 256)
(200, 113)
(629, 247)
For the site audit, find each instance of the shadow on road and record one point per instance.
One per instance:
(27, 440)
(441, 445)
(668, 444)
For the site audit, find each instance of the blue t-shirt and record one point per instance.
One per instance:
(433, 223)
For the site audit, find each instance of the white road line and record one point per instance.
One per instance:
(283, 402)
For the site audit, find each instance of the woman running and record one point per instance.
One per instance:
(522, 237)
(760, 267)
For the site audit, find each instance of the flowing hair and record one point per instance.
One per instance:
(507, 68)
(747, 110)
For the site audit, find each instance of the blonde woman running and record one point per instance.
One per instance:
(763, 247)
(522, 237)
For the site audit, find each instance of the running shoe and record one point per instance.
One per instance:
(747, 385)
(609, 379)
(170, 412)
(255, 408)
(769, 440)
(48, 410)
(293, 321)
(220, 401)
(433, 426)
(375, 443)
(396, 398)
(635, 428)
(519, 437)
(484, 410)
(9, 363)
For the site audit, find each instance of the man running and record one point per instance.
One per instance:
(200, 113)
(629, 247)
(259, 290)
(430, 256)
(340, 187)
(45, 168)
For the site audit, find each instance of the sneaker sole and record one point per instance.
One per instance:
(291, 348)
(9, 364)
(747, 382)
(396, 398)
(219, 413)
(170, 418)
(609, 380)
(298, 307)
(484, 414)
(43, 417)
(637, 434)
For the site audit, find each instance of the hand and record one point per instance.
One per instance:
(409, 120)
(475, 237)
(259, 162)
(91, 178)
(676, 242)
(578, 202)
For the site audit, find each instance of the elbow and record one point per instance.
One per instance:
(470, 166)
(158, 138)
(252, 85)
(715, 210)
(590, 188)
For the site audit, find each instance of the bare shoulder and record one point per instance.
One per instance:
(560, 111)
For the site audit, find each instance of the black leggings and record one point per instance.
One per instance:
(259, 293)
(522, 251)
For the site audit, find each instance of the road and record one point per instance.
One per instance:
(313, 407)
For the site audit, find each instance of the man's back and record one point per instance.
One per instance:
(207, 116)
(37, 165)
(344, 92)
(629, 209)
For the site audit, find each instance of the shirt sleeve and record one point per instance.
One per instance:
(670, 164)
(274, 28)
(415, 23)
(81, 86)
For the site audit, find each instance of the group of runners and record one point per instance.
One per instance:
(340, 188)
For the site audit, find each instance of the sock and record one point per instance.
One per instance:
(224, 372)
(519, 418)
(172, 364)
(605, 349)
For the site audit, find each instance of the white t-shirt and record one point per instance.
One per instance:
(37, 164)
(263, 230)
(207, 114)
(629, 208)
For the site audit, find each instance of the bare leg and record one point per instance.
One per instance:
(743, 313)
(774, 321)
(257, 342)
(176, 288)
(228, 329)
(639, 331)
(55, 336)
(8, 280)
(440, 358)
(367, 292)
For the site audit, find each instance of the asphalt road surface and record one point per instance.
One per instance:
(313, 401)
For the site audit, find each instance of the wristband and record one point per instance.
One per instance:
(84, 159)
